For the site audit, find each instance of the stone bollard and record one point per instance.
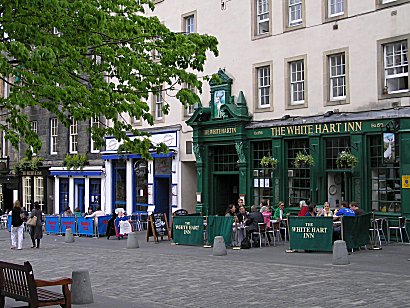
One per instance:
(219, 248)
(69, 238)
(132, 241)
(81, 292)
(340, 255)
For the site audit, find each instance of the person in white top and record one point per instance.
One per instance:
(95, 215)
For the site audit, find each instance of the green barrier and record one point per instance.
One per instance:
(355, 230)
(188, 230)
(220, 226)
(310, 233)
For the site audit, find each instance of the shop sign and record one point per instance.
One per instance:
(220, 131)
(188, 230)
(310, 129)
(405, 181)
(311, 233)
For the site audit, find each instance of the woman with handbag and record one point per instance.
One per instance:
(36, 225)
(17, 226)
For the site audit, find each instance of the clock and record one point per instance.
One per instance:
(338, 179)
(332, 189)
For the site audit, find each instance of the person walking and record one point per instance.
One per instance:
(36, 232)
(16, 226)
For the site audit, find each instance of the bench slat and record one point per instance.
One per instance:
(47, 295)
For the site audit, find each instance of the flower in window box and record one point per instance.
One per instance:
(269, 162)
(302, 160)
(346, 160)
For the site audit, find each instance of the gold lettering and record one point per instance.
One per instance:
(282, 131)
(358, 126)
(332, 128)
(297, 130)
(290, 130)
(325, 128)
(318, 129)
(350, 126)
(338, 127)
(310, 129)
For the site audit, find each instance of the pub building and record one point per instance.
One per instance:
(229, 147)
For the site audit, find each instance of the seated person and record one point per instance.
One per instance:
(345, 210)
(326, 211)
(230, 211)
(303, 208)
(280, 212)
(266, 216)
(77, 212)
(254, 218)
(311, 211)
(355, 207)
(242, 215)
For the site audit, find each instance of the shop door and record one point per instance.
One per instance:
(80, 194)
(162, 191)
(339, 188)
(226, 192)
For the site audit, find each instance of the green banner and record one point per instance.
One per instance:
(220, 225)
(188, 230)
(310, 233)
(355, 230)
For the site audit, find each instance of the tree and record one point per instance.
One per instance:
(88, 58)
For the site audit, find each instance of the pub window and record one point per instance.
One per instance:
(261, 177)
(95, 193)
(141, 186)
(27, 192)
(119, 183)
(333, 147)
(298, 178)
(225, 158)
(39, 190)
(385, 173)
(63, 195)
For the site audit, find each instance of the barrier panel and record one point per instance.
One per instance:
(85, 226)
(9, 222)
(102, 224)
(67, 222)
(355, 230)
(219, 225)
(52, 225)
(310, 233)
(188, 230)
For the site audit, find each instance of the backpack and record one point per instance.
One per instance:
(246, 243)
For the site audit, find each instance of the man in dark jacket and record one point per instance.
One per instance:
(254, 218)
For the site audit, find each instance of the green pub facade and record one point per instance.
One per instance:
(229, 147)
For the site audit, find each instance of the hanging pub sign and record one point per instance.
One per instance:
(389, 153)
(158, 226)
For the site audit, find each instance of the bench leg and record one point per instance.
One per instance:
(2, 301)
(67, 297)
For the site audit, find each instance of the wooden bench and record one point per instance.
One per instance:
(17, 281)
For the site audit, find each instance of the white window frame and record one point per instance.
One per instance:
(189, 24)
(39, 190)
(190, 109)
(263, 75)
(337, 76)
(294, 6)
(27, 192)
(95, 122)
(262, 16)
(158, 103)
(296, 70)
(34, 128)
(335, 4)
(53, 135)
(400, 68)
(73, 140)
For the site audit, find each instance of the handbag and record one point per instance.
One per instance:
(32, 221)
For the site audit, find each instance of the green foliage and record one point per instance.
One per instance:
(345, 159)
(99, 63)
(75, 162)
(28, 164)
(269, 162)
(303, 159)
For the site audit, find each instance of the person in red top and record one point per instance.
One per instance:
(303, 208)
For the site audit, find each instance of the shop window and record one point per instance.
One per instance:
(39, 190)
(225, 158)
(163, 165)
(64, 197)
(298, 178)
(119, 184)
(261, 177)
(385, 174)
(333, 147)
(141, 186)
(95, 193)
(27, 192)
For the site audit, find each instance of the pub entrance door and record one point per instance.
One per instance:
(339, 188)
(226, 191)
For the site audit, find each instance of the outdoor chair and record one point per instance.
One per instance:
(283, 225)
(400, 228)
(377, 232)
(262, 231)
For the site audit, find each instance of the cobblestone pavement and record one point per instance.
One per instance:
(165, 275)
